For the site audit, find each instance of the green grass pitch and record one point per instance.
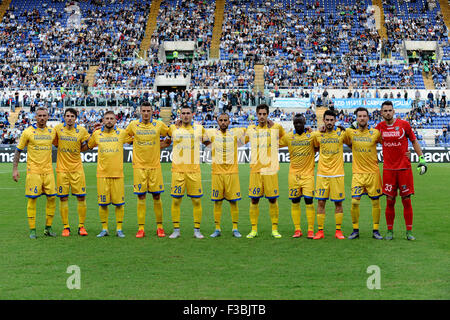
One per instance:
(225, 268)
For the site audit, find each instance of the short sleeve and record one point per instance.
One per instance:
(164, 129)
(171, 130)
(84, 135)
(378, 136)
(23, 142)
(378, 126)
(348, 136)
(409, 132)
(204, 132)
(129, 129)
(315, 140)
(281, 132)
(210, 134)
(93, 140)
(284, 141)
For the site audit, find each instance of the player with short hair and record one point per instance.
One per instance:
(147, 173)
(186, 174)
(225, 173)
(330, 173)
(300, 144)
(397, 173)
(264, 165)
(110, 180)
(40, 179)
(366, 178)
(71, 139)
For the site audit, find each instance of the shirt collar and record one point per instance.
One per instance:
(34, 125)
(115, 128)
(75, 125)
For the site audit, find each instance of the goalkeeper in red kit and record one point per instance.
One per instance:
(397, 173)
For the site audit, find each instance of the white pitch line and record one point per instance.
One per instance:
(3, 172)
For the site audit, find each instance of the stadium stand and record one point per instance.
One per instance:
(99, 54)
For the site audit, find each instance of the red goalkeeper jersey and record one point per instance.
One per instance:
(395, 144)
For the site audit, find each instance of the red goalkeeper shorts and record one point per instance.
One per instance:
(394, 180)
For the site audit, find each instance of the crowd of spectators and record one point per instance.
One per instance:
(302, 43)
(40, 30)
(414, 20)
(180, 20)
(44, 74)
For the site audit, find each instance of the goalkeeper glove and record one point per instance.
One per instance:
(422, 166)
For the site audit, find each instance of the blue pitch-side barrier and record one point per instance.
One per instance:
(432, 155)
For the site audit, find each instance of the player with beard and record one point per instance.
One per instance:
(397, 173)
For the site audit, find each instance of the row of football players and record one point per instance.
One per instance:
(265, 137)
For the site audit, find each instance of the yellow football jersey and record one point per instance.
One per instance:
(186, 147)
(364, 149)
(110, 152)
(301, 152)
(39, 144)
(224, 150)
(69, 144)
(264, 143)
(331, 156)
(146, 142)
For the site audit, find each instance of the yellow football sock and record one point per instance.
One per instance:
(157, 207)
(50, 209)
(234, 214)
(376, 212)
(64, 210)
(339, 216)
(296, 214)
(141, 210)
(103, 212)
(217, 213)
(81, 208)
(197, 203)
(254, 214)
(310, 216)
(274, 213)
(354, 211)
(320, 220)
(120, 213)
(31, 213)
(176, 203)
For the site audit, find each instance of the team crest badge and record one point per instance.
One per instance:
(340, 195)
(308, 135)
(371, 131)
(397, 128)
(338, 133)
